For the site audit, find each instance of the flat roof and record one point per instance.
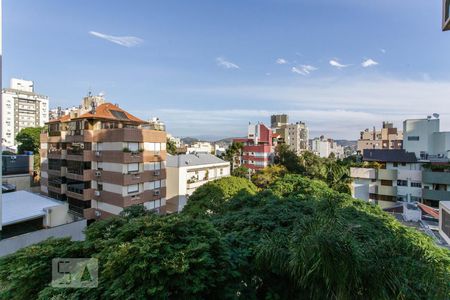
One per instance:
(198, 159)
(21, 206)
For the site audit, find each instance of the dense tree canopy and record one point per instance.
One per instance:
(296, 239)
(210, 198)
(28, 139)
(171, 147)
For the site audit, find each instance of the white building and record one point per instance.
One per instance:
(323, 147)
(21, 108)
(175, 140)
(420, 172)
(29, 218)
(200, 147)
(297, 137)
(185, 173)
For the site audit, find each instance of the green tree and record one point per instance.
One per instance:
(232, 152)
(210, 198)
(28, 139)
(263, 178)
(171, 147)
(240, 171)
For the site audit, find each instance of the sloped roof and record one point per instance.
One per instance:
(106, 111)
(389, 155)
(188, 160)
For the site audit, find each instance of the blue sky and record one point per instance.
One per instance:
(207, 68)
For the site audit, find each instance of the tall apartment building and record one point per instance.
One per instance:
(101, 159)
(278, 121)
(259, 148)
(323, 147)
(386, 138)
(419, 172)
(21, 108)
(295, 135)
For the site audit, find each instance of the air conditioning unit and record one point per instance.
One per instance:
(157, 173)
(156, 192)
(97, 153)
(98, 173)
(97, 193)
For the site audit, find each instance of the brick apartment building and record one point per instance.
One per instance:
(101, 159)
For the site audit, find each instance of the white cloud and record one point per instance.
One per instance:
(281, 61)
(126, 41)
(303, 69)
(337, 64)
(221, 62)
(369, 63)
(338, 107)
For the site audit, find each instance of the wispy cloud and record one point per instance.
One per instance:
(369, 63)
(303, 69)
(336, 64)
(126, 41)
(222, 62)
(281, 61)
(383, 51)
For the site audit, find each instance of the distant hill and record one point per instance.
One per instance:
(346, 143)
(189, 140)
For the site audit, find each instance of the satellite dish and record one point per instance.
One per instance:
(436, 115)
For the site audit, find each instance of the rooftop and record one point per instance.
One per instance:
(106, 111)
(22, 206)
(389, 155)
(198, 159)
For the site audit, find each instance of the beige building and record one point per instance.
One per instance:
(389, 137)
(186, 172)
(295, 135)
(101, 160)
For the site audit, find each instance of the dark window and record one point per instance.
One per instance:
(402, 183)
(413, 138)
(395, 164)
(416, 184)
(119, 115)
(445, 227)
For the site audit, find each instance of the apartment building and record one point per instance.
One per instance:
(187, 172)
(389, 137)
(21, 108)
(101, 159)
(420, 173)
(323, 147)
(200, 147)
(444, 220)
(259, 147)
(295, 135)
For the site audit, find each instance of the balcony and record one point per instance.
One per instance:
(387, 190)
(435, 195)
(78, 191)
(363, 173)
(436, 177)
(80, 155)
(383, 174)
(80, 175)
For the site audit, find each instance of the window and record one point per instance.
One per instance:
(402, 183)
(413, 138)
(395, 165)
(134, 147)
(134, 188)
(99, 186)
(416, 184)
(134, 167)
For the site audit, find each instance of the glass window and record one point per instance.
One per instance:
(134, 167)
(416, 184)
(134, 188)
(133, 147)
(413, 138)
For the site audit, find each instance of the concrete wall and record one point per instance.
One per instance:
(22, 182)
(73, 230)
(424, 129)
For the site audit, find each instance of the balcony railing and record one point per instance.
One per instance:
(78, 189)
